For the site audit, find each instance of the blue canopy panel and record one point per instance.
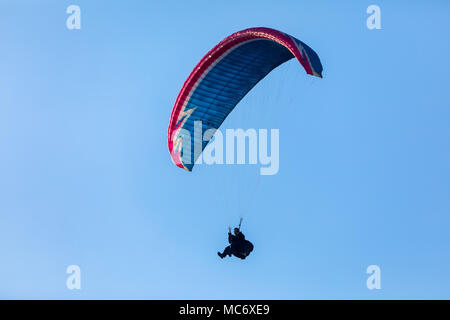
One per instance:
(226, 84)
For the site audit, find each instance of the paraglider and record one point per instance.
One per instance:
(239, 246)
(216, 85)
(222, 78)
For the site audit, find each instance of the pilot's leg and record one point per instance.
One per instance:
(226, 252)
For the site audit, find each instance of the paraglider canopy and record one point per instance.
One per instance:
(222, 78)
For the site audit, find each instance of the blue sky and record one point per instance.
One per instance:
(86, 177)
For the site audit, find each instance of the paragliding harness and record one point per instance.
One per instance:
(243, 248)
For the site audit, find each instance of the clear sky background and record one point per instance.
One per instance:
(86, 176)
